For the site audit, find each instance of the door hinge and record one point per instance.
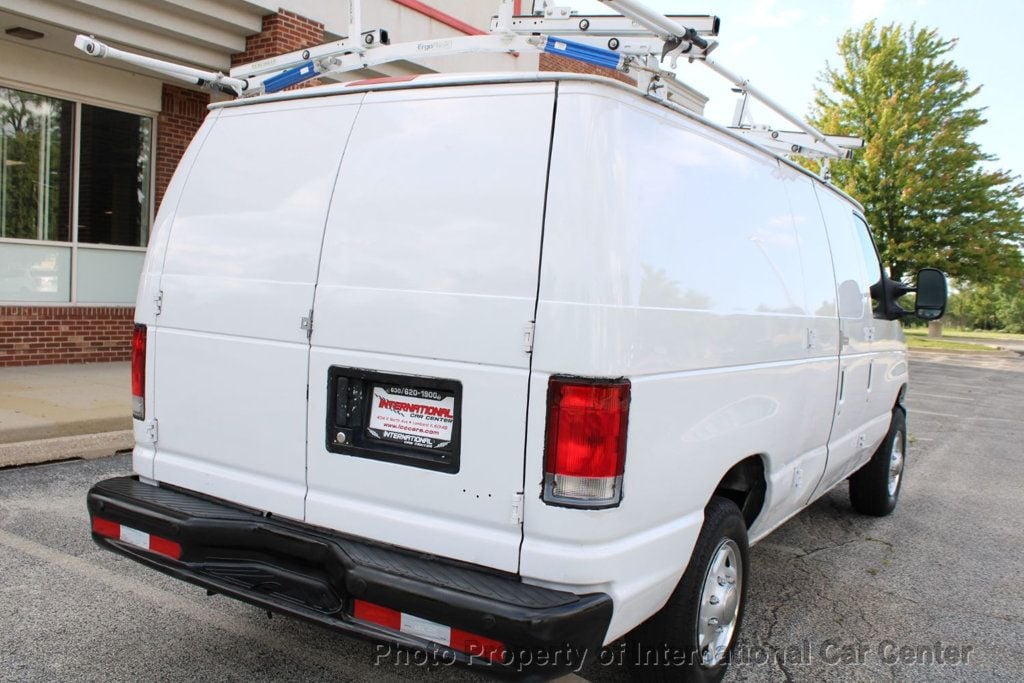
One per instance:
(158, 302)
(517, 508)
(151, 431)
(307, 324)
(528, 329)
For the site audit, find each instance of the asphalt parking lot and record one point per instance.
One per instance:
(833, 595)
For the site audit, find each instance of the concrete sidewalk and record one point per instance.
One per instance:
(54, 412)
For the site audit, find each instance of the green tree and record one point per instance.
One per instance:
(928, 196)
(998, 306)
(973, 307)
(1009, 305)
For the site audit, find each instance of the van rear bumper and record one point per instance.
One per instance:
(316, 574)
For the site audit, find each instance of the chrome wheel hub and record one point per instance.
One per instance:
(719, 603)
(896, 463)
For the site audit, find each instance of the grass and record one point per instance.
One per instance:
(915, 341)
(952, 332)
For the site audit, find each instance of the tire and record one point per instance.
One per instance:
(668, 646)
(875, 487)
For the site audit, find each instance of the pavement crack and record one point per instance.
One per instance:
(831, 546)
(881, 541)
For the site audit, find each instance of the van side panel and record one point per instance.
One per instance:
(429, 269)
(671, 257)
(238, 278)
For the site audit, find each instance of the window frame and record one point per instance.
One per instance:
(74, 245)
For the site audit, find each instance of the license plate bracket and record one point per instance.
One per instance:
(405, 419)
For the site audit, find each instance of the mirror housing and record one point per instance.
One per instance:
(886, 292)
(932, 292)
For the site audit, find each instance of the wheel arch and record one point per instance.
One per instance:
(901, 397)
(745, 484)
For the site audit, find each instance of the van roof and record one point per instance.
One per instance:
(484, 78)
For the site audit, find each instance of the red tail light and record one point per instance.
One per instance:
(585, 453)
(139, 372)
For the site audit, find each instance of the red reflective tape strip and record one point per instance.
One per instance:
(106, 528)
(517, 7)
(367, 611)
(165, 547)
(437, 15)
(477, 646)
(383, 79)
(463, 641)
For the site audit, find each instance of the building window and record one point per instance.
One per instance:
(35, 180)
(53, 249)
(113, 185)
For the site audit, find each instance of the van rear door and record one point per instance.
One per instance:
(230, 349)
(428, 279)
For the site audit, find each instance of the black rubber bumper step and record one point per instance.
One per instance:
(314, 573)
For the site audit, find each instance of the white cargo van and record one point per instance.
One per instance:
(496, 366)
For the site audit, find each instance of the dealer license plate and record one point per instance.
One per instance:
(412, 417)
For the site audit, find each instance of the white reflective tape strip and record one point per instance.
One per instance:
(414, 626)
(135, 537)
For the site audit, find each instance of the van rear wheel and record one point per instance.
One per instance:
(875, 487)
(691, 638)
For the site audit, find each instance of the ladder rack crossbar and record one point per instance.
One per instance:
(747, 87)
(798, 142)
(578, 25)
(367, 40)
(212, 79)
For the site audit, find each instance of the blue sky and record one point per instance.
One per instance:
(782, 45)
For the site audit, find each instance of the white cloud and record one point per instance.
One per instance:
(767, 14)
(866, 10)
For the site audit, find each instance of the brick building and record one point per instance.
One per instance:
(88, 147)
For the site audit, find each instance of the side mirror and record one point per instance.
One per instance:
(931, 294)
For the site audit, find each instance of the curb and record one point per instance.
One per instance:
(85, 446)
(990, 352)
(53, 430)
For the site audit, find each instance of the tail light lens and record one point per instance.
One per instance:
(585, 450)
(139, 372)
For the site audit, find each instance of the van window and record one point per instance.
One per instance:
(815, 259)
(853, 278)
(872, 264)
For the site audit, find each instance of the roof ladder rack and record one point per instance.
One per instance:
(638, 41)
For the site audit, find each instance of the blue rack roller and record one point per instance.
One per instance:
(598, 56)
(293, 76)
